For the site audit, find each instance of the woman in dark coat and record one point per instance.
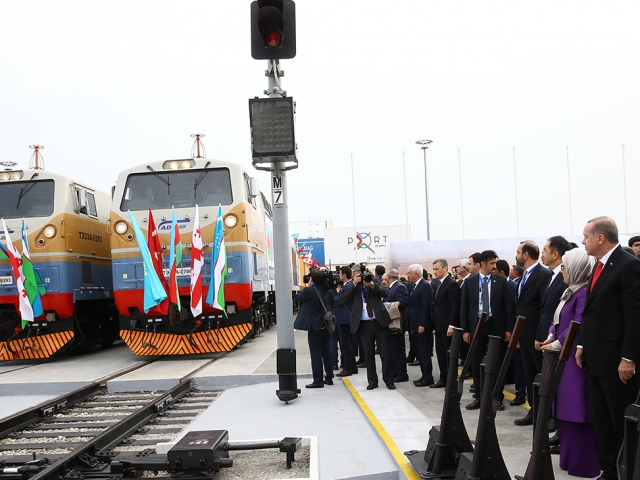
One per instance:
(311, 318)
(577, 445)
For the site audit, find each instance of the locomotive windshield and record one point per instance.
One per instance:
(31, 198)
(182, 188)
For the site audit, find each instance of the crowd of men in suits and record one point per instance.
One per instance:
(608, 345)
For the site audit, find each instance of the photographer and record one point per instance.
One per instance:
(311, 318)
(370, 319)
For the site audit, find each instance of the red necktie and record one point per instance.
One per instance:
(596, 275)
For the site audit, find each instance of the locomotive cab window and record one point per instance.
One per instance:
(84, 201)
(210, 187)
(31, 198)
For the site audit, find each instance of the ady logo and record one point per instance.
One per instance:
(364, 241)
(166, 225)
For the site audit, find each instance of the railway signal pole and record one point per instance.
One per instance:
(274, 149)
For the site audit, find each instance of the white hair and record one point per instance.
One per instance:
(416, 268)
(464, 263)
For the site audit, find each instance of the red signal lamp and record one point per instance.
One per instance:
(273, 39)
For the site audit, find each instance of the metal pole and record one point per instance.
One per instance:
(353, 197)
(624, 178)
(461, 200)
(282, 263)
(425, 145)
(515, 188)
(569, 185)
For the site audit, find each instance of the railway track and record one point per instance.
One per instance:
(78, 435)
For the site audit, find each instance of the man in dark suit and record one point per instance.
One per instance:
(342, 312)
(370, 319)
(552, 253)
(531, 290)
(397, 293)
(489, 293)
(420, 325)
(446, 315)
(608, 348)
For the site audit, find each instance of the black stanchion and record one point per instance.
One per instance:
(449, 439)
(486, 461)
(553, 363)
(628, 464)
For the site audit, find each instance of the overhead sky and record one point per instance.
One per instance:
(107, 85)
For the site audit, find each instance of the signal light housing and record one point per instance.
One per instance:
(272, 129)
(273, 29)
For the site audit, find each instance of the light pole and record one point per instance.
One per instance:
(424, 144)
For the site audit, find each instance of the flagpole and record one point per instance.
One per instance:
(406, 207)
(353, 197)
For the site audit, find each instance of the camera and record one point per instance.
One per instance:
(329, 280)
(366, 276)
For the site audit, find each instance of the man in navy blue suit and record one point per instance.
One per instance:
(446, 315)
(397, 293)
(342, 313)
(419, 318)
(486, 292)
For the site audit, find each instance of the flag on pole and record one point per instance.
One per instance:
(153, 290)
(155, 250)
(215, 297)
(175, 257)
(30, 279)
(26, 312)
(197, 259)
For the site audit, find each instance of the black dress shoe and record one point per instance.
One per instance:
(328, 381)
(343, 373)
(410, 360)
(474, 405)
(517, 401)
(527, 420)
(354, 371)
(315, 385)
(555, 450)
(401, 378)
(472, 389)
(336, 367)
(552, 425)
(438, 384)
(371, 386)
(555, 440)
(360, 363)
(415, 363)
(423, 383)
(500, 407)
(390, 385)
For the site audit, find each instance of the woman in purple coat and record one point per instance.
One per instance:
(577, 445)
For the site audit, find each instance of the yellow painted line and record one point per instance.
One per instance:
(507, 394)
(400, 459)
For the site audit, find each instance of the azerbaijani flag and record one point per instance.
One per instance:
(215, 297)
(197, 259)
(154, 292)
(155, 250)
(30, 279)
(175, 257)
(26, 312)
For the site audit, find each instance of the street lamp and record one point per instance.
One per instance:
(424, 144)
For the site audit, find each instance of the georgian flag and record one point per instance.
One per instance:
(197, 259)
(26, 312)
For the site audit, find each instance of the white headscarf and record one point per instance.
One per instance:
(579, 266)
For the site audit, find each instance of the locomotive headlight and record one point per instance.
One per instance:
(121, 228)
(4, 176)
(16, 176)
(185, 164)
(174, 166)
(230, 221)
(49, 231)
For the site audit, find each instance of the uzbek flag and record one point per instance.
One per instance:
(197, 259)
(155, 250)
(175, 257)
(153, 290)
(26, 312)
(30, 279)
(215, 297)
